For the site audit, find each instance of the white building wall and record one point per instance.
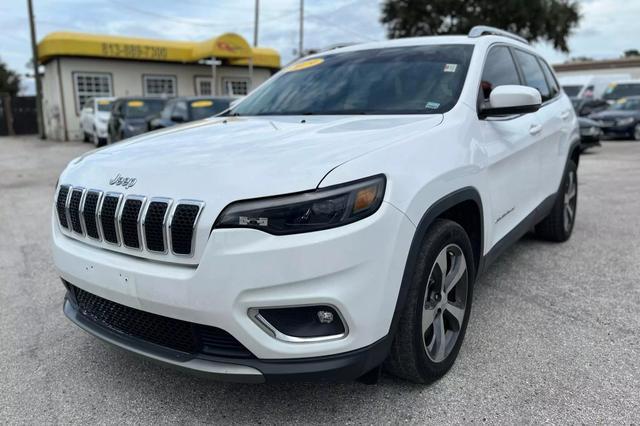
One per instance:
(127, 80)
(634, 72)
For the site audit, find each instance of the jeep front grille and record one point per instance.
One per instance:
(135, 222)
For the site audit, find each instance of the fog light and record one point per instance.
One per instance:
(297, 323)
(325, 317)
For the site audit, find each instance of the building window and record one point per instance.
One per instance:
(159, 85)
(204, 86)
(236, 86)
(88, 85)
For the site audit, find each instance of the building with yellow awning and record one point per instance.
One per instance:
(81, 66)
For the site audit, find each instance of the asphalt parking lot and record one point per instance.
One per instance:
(554, 334)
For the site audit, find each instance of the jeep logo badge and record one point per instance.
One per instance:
(119, 180)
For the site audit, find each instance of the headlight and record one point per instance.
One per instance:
(307, 211)
(625, 121)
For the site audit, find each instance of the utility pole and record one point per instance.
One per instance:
(301, 43)
(256, 21)
(36, 74)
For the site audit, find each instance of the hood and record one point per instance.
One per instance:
(222, 160)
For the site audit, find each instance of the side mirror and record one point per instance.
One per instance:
(177, 118)
(511, 100)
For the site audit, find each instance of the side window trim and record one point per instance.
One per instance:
(555, 86)
(521, 71)
(480, 99)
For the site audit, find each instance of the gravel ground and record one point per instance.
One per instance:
(554, 334)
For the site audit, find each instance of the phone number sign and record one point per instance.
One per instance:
(134, 51)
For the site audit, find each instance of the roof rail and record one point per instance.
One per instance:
(480, 30)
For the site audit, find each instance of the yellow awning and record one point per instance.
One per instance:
(230, 46)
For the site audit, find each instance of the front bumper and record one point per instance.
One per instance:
(356, 268)
(347, 366)
(618, 131)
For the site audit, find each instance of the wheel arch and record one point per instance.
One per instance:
(453, 206)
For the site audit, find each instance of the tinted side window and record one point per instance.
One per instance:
(533, 75)
(499, 70)
(181, 111)
(554, 87)
(166, 112)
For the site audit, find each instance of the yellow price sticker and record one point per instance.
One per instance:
(135, 104)
(201, 104)
(305, 64)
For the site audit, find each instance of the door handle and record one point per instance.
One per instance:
(565, 114)
(535, 129)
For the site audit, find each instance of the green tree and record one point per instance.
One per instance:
(548, 20)
(9, 80)
(631, 53)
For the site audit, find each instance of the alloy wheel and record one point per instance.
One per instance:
(445, 303)
(570, 200)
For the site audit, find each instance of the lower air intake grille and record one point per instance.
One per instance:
(61, 206)
(170, 333)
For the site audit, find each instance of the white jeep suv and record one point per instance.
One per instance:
(330, 224)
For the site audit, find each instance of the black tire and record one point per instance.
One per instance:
(85, 137)
(408, 358)
(556, 227)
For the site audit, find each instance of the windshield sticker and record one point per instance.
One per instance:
(450, 67)
(305, 64)
(432, 105)
(201, 104)
(135, 104)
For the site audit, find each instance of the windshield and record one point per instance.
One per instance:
(104, 105)
(617, 91)
(143, 108)
(207, 108)
(405, 80)
(626, 105)
(572, 91)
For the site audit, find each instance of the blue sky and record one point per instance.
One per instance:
(607, 29)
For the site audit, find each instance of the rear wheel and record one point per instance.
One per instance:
(558, 225)
(435, 316)
(85, 137)
(636, 132)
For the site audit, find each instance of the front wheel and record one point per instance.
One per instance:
(435, 315)
(558, 225)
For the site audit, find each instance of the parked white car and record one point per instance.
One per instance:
(333, 223)
(94, 120)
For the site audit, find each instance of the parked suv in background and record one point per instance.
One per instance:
(94, 120)
(333, 222)
(186, 109)
(129, 116)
